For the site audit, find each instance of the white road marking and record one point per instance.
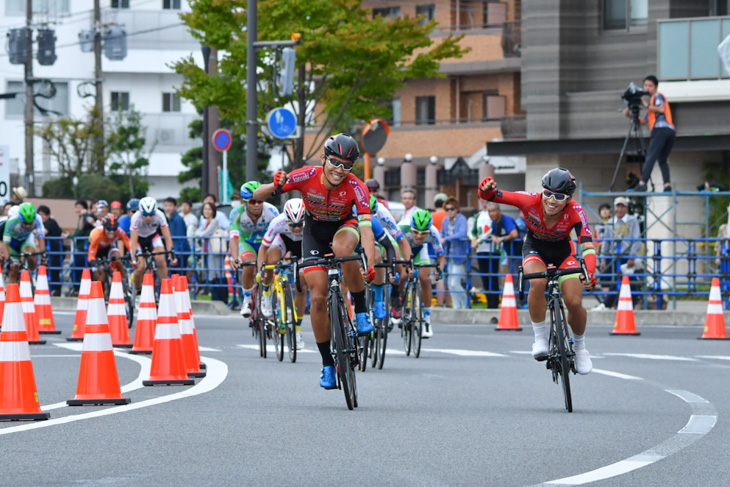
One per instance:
(217, 372)
(714, 357)
(618, 468)
(464, 353)
(207, 349)
(616, 374)
(652, 357)
(687, 396)
(699, 424)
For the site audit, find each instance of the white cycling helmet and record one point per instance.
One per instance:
(148, 206)
(294, 210)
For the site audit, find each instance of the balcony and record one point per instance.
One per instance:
(152, 29)
(688, 48)
(170, 131)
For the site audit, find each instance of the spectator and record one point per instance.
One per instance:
(408, 198)
(209, 224)
(54, 236)
(222, 218)
(116, 209)
(601, 230)
(125, 221)
(621, 227)
(84, 226)
(442, 296)
(191, 221)
(178, 231)
(17, 195)
(504, 230)
(517, 243)
(721, 246)
(455, 243)
(102, 210)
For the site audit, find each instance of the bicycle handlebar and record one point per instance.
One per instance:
(550, 274)
(329, 261)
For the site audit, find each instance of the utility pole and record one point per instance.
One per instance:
(206, 129)
(99, 143)
(29, 169)
(252, 125)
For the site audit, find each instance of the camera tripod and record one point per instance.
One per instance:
(637, 135)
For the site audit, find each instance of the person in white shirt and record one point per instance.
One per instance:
(219, 215)
(408, 198)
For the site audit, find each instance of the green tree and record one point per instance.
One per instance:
(348, 62)
(128, 157)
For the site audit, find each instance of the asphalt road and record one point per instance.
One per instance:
(475, 409)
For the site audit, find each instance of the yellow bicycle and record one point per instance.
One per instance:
(284, 318)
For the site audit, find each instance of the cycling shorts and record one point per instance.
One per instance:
(285, 244)
(559, 253)
(318, 237)
(247, 247)
(18, 246)
(148, 244)
(107, 252)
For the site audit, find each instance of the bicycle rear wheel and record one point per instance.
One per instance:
(408, 318)
(563, 362)
(279, 324)
(342, 357)
(259, 321)
(130, 295)
(417, 311)
(291, 321)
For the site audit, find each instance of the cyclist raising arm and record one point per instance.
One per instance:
(330, 226)
(551, 217)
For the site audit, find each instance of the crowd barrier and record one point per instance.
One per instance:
(665, 269)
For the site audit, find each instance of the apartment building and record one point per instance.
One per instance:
(155, 38)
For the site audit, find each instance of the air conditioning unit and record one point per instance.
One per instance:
(165, 136)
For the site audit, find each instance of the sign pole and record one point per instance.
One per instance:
(225, 196)
(367, 165)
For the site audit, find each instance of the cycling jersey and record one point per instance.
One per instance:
(388, 222)
(244, 228)
(98, 241)
(383, 238)
(433, 238)
(145, 229)
(280, 226)
(14, 230)
(330, 206)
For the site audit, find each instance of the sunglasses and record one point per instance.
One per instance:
(255, 202)
(450, 209)
(346, 166)
(419, 233)
(148, 214)
(296, 225)
(110, 229)
(555, 196)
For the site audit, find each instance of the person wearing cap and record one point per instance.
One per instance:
(439, 213)
(116, 209)
(17, 195)
(374, 187)
(102, 210)
(621, 245)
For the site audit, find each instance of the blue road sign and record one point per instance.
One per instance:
(222, 140)
(282, 122)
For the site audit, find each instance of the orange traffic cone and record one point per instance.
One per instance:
(18, 393)
(508, 313)
(98, 380)
(229, 275)
(190, 345)
(2, 298)
(189, 305)
(625, 323)
(144, 336)
(168, 362)
(31, 319)
(81, 306)
(117, 314)
(42, 300)
(715, 320)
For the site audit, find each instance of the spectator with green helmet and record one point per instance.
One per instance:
(248, 226)
(419, 233)
(19, 236)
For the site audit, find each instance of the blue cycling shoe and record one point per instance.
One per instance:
(328, 379)
(379, 310)
(363, 324)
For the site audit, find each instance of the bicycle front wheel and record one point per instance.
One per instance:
(291, 322)
(342, 357)
(407, 322)
(417, 328)
(130, 295)
(563, 361)
(279, 326)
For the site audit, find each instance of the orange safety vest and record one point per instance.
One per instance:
(667, 112)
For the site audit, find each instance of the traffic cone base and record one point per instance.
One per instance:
(625, 324)
(508, 320)
(55, 332)
(715, 319)
(27, 397)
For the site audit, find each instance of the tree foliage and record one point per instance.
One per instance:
(128, 156)
(348, 62)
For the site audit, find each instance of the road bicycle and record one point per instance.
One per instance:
(284, 318)
(22, 261)
(379, 339)
(150, 265)
(561, 356)
(344, 337)
(412, 325)
(130, 293)
(261, 329)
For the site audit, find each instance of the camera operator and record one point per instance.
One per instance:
(659, 118)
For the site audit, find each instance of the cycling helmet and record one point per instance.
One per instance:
(294, 210)
(559, 180)
(372, 184)
(248, 188)
(148, 206)
(27, 212)
(133, 204)
(373, 203)
(342, 145)
(421, 220)
(101, 204)
(110, 223)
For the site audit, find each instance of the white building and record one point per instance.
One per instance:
(156, 38)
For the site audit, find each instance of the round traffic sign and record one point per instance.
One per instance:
(282, 122)
(222, 140)
(374, 135)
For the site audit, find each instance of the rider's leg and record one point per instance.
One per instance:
(343, 244)
(247, 254)
(538, 306)
(13, 273)
(273, 256)
(572, 290)
(317, 283)
(161, 263)
(380, 312)
(139, 273)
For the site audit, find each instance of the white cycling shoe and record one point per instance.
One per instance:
(583, 363)
(266, 308)
(540, 349)
(300, 342)
(246, 307)
(427, 330)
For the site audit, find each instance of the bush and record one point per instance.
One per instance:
(96, 187)
(58, 188)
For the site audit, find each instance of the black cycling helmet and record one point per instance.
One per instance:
(559, 180)
(342, 145)
(372, 184)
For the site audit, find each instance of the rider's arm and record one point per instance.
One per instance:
(261, 256)
(168, 238)
(368, 241)
(6, 250)
(93, 245)
(122, 239)
(405, 248)
(133, 242)
(520, 199)
(585, 239)
(384, 240)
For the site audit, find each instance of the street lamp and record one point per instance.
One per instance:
(433, 160)
(408, 157)
(381, 161)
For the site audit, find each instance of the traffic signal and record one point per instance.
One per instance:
(17, 45)
(46, 47)
(115, 43)
(288, 65)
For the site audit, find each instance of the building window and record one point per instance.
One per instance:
(395, 112)
(623, 14)
(43, 7)
(170, 102)
(120, 101)
(120, 3)
(494, 106)
(428, 12)
(389, 12)
(171, 4)
(425, 110)
(15, 107)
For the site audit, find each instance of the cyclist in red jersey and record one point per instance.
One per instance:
(329, 193)
(551, 217)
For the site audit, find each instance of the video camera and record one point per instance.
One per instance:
(632, 97)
